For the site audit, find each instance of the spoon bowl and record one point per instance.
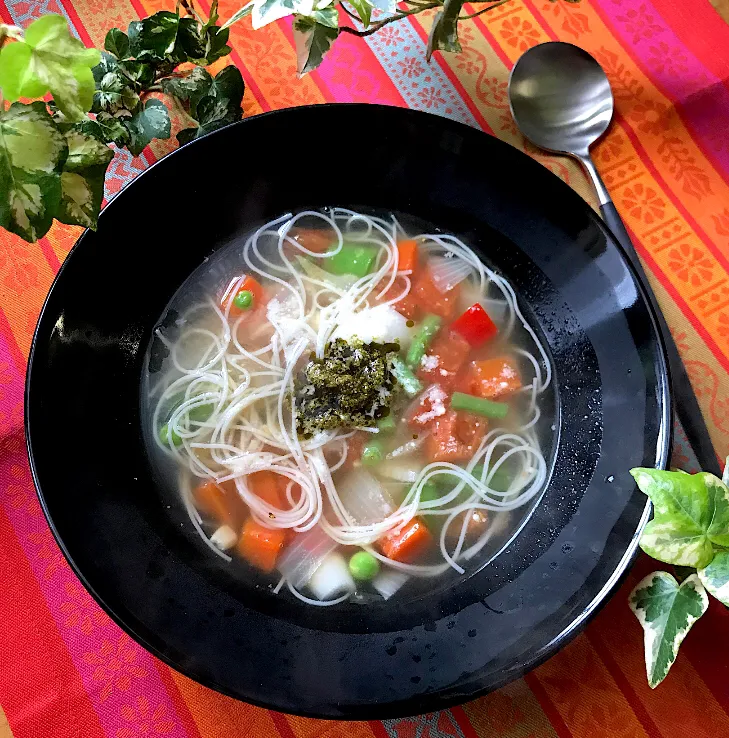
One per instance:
(560, 98)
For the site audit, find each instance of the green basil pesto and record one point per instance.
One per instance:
(350, 386)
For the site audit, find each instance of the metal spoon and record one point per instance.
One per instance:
(561, 101)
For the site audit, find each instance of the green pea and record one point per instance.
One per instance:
(363, 565)
(164, 436)
(243, 300)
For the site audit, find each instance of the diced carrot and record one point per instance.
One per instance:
(408, 544)
(431, 299)
(260, 546)
(443, 359)
(455, 437)
(407, 255)
(478, 522)
(265, 484)
(236, 286)
(491, 378)
(314, 239)
(220, 502)
(428, 408)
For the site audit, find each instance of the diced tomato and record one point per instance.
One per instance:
(314, 239)
(407, 255)
(430, 406)
(455, 437)
(491, 378)
(267, 485)
(408, 307)
(430, 299)
(444, 359)
(408, 544)
(355, 444)
(221, 502)
(260, 546)
(475, 326)
(236, 286)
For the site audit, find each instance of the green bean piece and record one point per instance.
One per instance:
(409, 382)
(429, 326)
(373, 452)
(386, 424)
(164, 436)
(479, 405)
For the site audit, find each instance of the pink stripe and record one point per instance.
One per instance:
(119, 676)
(701, 98)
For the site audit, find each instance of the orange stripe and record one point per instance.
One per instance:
(41, 690)
(308, 728)
(218, 716)
(584, 694)
(279, 720)
(512, 712)
(547, 705)
(181, 710)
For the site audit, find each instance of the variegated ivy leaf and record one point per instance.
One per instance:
(247, 9)
(691, 515)
(151, 121)
(268, 11)
(364, 10)
(666, 611)
(50, 58)
(313, 38)
(444, 32)
(715, 577)
(32, 154)
(82, 179)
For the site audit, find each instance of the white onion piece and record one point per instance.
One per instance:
(224, 538)
(332, 578)
(408, 448)
(388, 581)
(401, 470)
(305, 555)
(380, 324)
(447, 273)
(364, 498)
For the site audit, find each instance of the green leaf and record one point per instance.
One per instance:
(444, 32)
(691, 515)
(112, 129)
(17, 78)
(191, 39)
(114, 94)
(312, 41)
(52, 59)
(107, 64)
(154, 37)
(117, 43)
(715, 577)
(82, 180)
(153, 121)
(268, 11)
(219, 107)
(666, 611)
(364, 10)
(326, 16)
(216, 45)
(32, 154)
(139, 74)
(189, 89)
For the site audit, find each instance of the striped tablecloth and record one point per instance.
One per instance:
(67, 671)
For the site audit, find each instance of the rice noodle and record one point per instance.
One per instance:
(250, 424)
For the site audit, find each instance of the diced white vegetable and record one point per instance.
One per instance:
(401, 470)
(388, 581)
(380, 324)
(305, 555)
(364, 498)
(224, 538)
(332, 578)
(447, 272)
(408, 448)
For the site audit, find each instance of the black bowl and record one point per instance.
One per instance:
(426, 651)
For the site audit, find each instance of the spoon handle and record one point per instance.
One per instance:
(686, 406)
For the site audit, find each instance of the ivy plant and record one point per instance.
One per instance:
(317, 23)
(54, 153)
(690, 528)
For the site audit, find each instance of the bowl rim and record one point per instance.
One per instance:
(565, 636)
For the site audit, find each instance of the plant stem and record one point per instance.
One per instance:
(399, 16)
(491, 6)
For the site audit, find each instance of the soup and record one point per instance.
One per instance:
(348, 403)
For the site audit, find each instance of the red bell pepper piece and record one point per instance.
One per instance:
(475, 326)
